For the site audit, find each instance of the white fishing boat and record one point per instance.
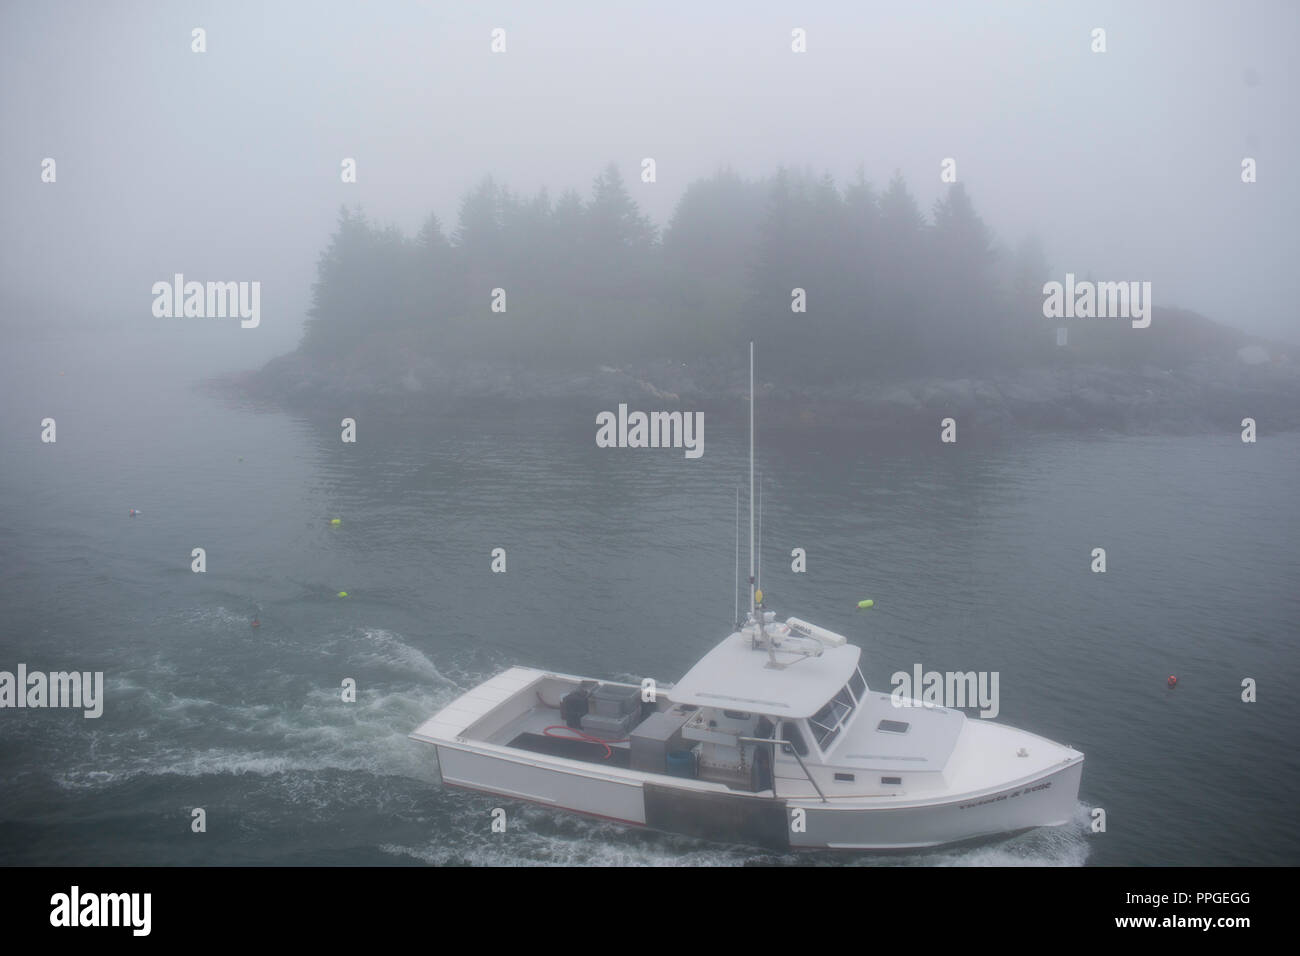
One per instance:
(772, 739)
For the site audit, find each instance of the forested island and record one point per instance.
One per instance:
(905, 316)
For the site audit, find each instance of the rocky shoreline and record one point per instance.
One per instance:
(1212, 395)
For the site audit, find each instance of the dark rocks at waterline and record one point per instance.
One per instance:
(1208, 396)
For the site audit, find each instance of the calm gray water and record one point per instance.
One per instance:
(620, 563)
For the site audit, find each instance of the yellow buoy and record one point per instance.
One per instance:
(343, 594)
(336, 521)
(758, 596)
(866, 604)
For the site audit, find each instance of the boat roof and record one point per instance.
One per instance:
(736, 675)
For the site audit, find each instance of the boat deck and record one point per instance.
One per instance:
(529, 732)
(456, 719)
(574, 748)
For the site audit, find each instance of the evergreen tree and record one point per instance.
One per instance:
(964, 305)
(708, 249)
(343, 276)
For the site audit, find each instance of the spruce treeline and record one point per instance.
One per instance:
(890, 290)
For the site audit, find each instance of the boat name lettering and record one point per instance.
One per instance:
(1004, 796)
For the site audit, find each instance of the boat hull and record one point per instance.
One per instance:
(1048, 799)
(604, 796)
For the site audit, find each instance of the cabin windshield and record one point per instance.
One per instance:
(831, 719)
(858, 683)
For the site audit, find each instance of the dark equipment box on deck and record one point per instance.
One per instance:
(608, 700)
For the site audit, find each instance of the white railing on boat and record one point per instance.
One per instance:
(772, 741)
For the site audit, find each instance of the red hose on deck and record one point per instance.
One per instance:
(583, 735)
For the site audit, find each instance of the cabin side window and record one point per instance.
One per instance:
(790, 732)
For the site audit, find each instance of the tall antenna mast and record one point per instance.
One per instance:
(736, 590)
(751, 479)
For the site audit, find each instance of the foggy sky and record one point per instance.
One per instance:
(225, 165)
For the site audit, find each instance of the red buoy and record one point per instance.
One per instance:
(1173, 681)
(256, 623)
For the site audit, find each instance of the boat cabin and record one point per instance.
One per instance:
(769, 711)
(770, 683)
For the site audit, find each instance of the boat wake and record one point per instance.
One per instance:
(174, 723)
(537, 836)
